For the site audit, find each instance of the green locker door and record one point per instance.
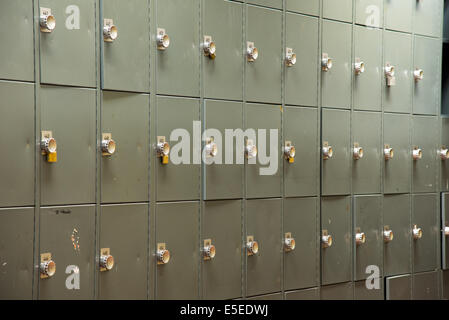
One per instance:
(369, 13)
(338, 10)
(264, 74)
(398, 288)
(67, 54)
(398, 15)
(301, 129)
(425, 169)
(425, 218)
(263, 269)
(301, 264)
(126, 60)
(428, 17)
(444, 225)
(445, 163)
(16, 253)
(366, 171)
(124, 174)
(306, 294)
(222, 20)
(301, 79)
(17, 23)
(427, 93)
(426, 286)
(222, 225)
(396, 211)
(367, 90)
(341, 291)
(336, 82)
(277, 4)
(310, 7)
(17, 142)
(260, 184)
(397, 169)
(223, 180)
(336, 169)
(70, 114)
(361, 292)
(124, 230)
(68, 234)
(398, 54)
(177, 67)
(336, 255)
(177, 228)
(177, 181)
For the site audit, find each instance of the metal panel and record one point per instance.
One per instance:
(17, 23)
(426, 286)
(445, 279)
(397, 170)
(124, 175)
(369, 12)
(67, 54)
(445, 164)
(70, 114)
(177, 67)
(263, 270)
(266, 117)
(17, 142)
(398, 53)
(336, 176)
(307, 294)
(366, 171)
(264, 75)
(341, 10)
(301, 264)
(177, 181)
(341, 291)
(444, 224)
(336, 260)
(223, 181)
(396, 210)
(267, 3)
(126, 60)
(425, 217)
(398, 15)
(222, 224)
(361, 292)
(426, 99)
(16, 253)
(398, 288)
(367, 85)
(223, 78)
(425, 170)
(300, 127)
(301, 79)
(428, 17)
(177, 227)
(311, 7)
(124, 230)
(68, 233)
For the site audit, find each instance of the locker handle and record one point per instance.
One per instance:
(252, 246)
(360, 238)
(389, 70)
(289, 242)
(250, 149)
(209, 47)
(289, 151)
(446, 231)
(209, 250)
(162, 147)
(359, 67)
(444, 153)
(388, 152)
(47, 21)
(417, 153)
(252, 53)
(326, 62)
(107, 262)
(357, 152)
(162, 39)
(388, 235)
(163, 256)
(290, 57)
(418, 74)
(417, 232)
(48, 145)
(47, 266)
(211, 148)
(110, 31)
(108, 146)
(328, 151)
(326, 239)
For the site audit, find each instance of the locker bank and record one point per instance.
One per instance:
(345, 102)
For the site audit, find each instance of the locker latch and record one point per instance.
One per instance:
(389, 75)
(106, 260)
(444, 153)
(162, 149)
(417, 232)
(416, 153)
(326, 62)
(47, 266)
(209, 47)
(47, 21)
(49, 146)
(360, 237)
(211, 148)
(162, 39)
(357, 151)
(328, 152)
(446, 229)
(108, 146)
(418, 74)
(209, 250)
(388, 152)
(252, 53)
(290, 57)
(110, 31)
(289, 152)
(326, 239)
(289, 242)
(162, 254)
(252, 247)
(359, 66)
(388, 234)
(250, 149)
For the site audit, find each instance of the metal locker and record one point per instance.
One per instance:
(177, 181)
(427, 54)
(396, 154)
(177, 252)
(178, 59)
(398, 15)
(263, 55)
(268, 184)
(222, 69)
(17, 23)
(361, 291)
(425, 129)
(366, 152)
(425, 232)
(263, 242)
(341, 10)
(445, 230)
(445, 280)
(310, 7)
(368, 240)
(444, 184)
(398, 288)
(124, 171)
(126, 53)
(223, 181)
(67, 237)
(397, 84)
(301, 78)
(277, 4)
(428, 18)
(396, 234)
(67, 53)
(69, 113)
(306, 294)
(369, 13)
(367, 90)
(274, 296)
(341, 291)
(300, 173)
(335, 153)
(336, 240)
(336, 64)
(124, 232)
(221, 243)
(426, 286)
(16, 253)
(301, 261)
(17, 143)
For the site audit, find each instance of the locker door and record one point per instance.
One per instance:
(267, 3)
(361, 292)
(428, 17)
(399, 287)
(398, 15)
(369, 13)
(341, 291)
(311, 7)
(426, 286)
(444, 184)
(341, 10)
(444, 225)
(306, 294)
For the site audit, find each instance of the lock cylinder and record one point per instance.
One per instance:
(211, 148)
(359, 67)
(388, 235)
(48, 268)
(163, 148)
(289, 244)
(110, 32)
(48, 145)
(107, 262)
(360, 238)
(328, 152)
(47, 21)
(417, 232)
(388, 153)
(389, 71)
(252, 247)
(209, 251)
(326, 240)
(163, 256)
(357, 152)
(444, 153)
(250, 150)
(418, 74)
(326, 63)
(290, 57)
(108, 146)
(417, 154)
(162, 39)
(209, 47)
(289, 152)
(252, 53)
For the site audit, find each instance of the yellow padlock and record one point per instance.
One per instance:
(164, 159)
(52, 157)
(291, 160)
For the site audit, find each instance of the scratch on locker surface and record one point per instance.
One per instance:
(75, 240)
